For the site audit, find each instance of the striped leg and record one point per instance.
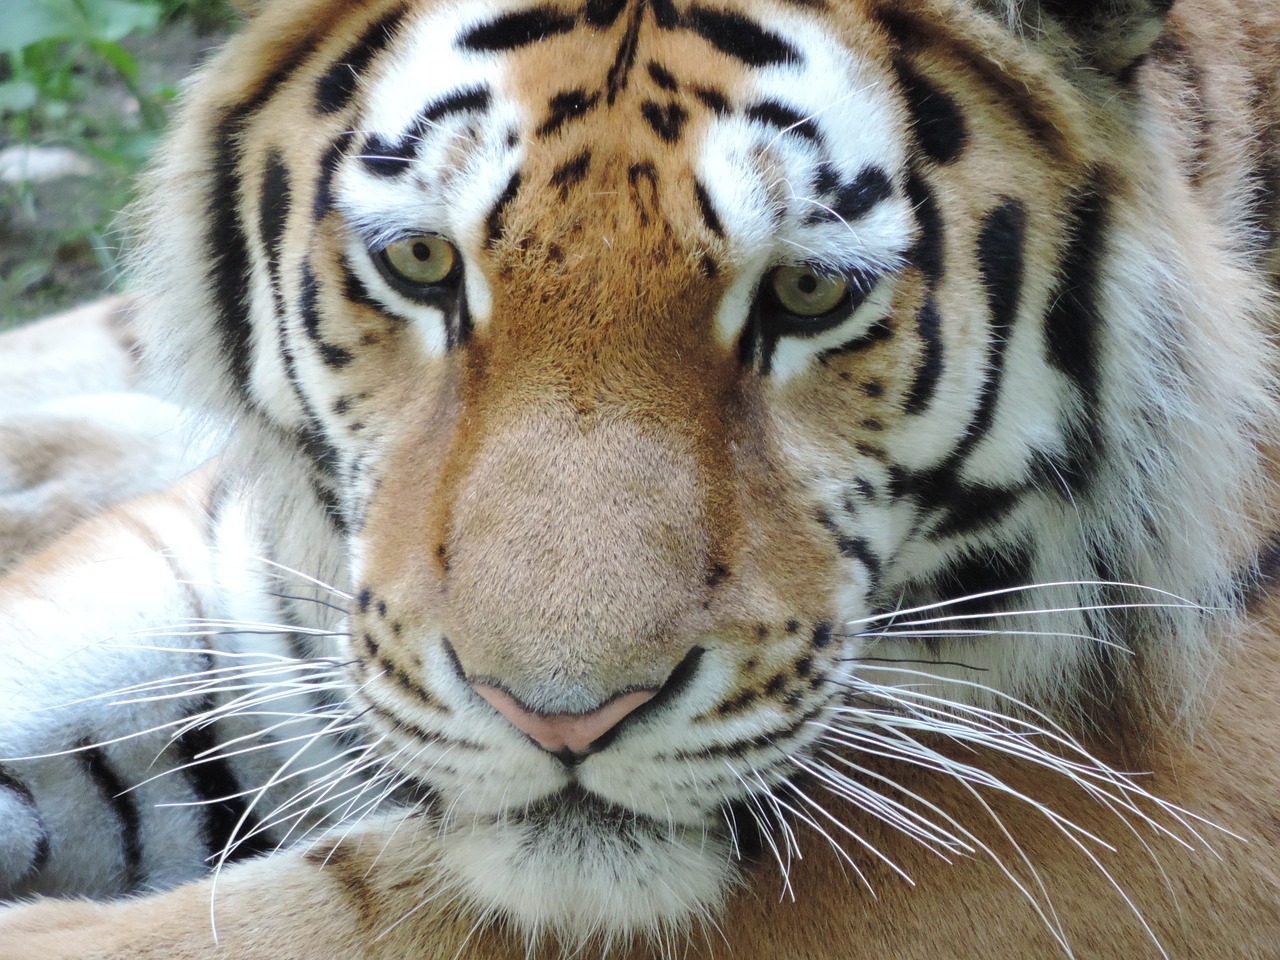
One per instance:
(86, 806)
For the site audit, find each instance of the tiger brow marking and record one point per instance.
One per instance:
(511, 31)
(493, 222)
(784, 118)
(337, 86)
(855, 199)
(385, 159)
(565, 107)
(666, 121)
(740, 37)
(571, 172)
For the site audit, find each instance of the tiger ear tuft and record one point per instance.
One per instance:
(1111, 35)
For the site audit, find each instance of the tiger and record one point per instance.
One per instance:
(679, 478)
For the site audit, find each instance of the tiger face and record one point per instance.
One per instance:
(652, 362)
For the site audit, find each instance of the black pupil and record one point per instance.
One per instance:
(422, 251)
(808, 283)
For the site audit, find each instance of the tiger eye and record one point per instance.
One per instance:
(805, 292)
(421, 261)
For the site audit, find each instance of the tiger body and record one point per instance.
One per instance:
(648, 422)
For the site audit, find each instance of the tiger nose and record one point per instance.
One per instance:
(570, 736)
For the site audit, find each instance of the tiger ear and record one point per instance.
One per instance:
(1110, 35)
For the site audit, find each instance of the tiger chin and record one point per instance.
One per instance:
(696, 478)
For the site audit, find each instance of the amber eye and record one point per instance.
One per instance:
(421, 261)
(805, 292)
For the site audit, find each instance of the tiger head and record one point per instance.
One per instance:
(680, 385)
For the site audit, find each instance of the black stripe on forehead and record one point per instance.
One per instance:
(571, 172)
(456, 101)
(565, 107)
(784, 118)
(511, 31)
(845, 202)
(337, 86)
(386, 159)
(741, 38)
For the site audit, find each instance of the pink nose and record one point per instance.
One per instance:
(574, 732)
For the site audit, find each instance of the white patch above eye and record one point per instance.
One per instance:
(776, 190)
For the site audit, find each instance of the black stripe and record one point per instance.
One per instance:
(739, 37)
(123, 803)
(518, 29)
(983, 571)
(661, 76)
(625, 58)
(929, 371)
(383, 158)
(855, 199)
(354, 290)
(493, 222)
(713, 100)
(273, 213)
(309, 302)
(878, 332)
(783, 118)
(665, 13)
(571, 172)
(1000, 263)
(927, 251)
(1073, 328)
(643, 180)
(467, 100)
(40, 855)
(565, 107)
(226, 245)
(228, 250)
(334, 356)
(935, 117)
(666, 121)
(216, 787)
(322, 202)
(707, 209)
(603, 13)
(972, 506)
(337, 85)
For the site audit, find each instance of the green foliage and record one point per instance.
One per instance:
(71, 75)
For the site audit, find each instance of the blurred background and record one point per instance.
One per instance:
(86, 87)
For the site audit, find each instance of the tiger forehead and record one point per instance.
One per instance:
(634, 98)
